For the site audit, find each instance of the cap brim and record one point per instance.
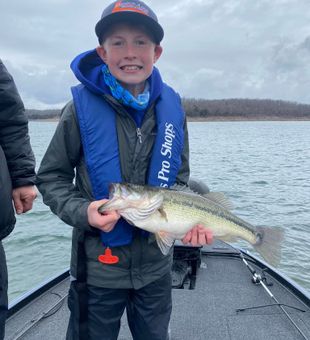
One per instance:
(136, 18)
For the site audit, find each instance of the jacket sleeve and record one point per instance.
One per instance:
(14, 137)
(55, 179)
(184, 172)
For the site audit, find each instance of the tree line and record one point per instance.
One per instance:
(222, 109)
(43, 114)
(245, 108)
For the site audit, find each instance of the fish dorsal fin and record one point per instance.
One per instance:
(144, 210)
(165, 241)
(219, 198)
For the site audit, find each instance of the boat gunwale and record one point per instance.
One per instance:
(22, 301)
(282, 278)
(299, 292)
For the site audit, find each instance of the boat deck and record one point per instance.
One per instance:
(209, 311)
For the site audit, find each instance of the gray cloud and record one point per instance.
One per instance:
(212, 49)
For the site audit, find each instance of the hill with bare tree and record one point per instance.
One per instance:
(223, 109)
(245, 109)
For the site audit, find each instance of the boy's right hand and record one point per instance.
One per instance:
(104, 222)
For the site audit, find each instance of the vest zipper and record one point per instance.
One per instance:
(139, 135)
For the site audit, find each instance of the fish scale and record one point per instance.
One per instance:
(209, 214)
(207, 217)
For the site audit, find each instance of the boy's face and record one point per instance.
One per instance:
(130, 54)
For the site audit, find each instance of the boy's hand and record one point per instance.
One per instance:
(23, 198)
(198, 236)
(104, 222)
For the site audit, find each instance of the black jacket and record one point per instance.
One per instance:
(17, 164)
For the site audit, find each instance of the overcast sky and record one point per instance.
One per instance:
(213, 49)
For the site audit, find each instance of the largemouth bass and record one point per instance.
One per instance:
(170, 214)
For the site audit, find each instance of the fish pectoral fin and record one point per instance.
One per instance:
(164, 241)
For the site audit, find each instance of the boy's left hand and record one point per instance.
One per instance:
(198, 236)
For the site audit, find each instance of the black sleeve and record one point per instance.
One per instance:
(14, 137)
(184, 171)
(56, 175)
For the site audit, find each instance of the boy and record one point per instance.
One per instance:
(124, 124)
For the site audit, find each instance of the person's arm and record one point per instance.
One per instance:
(55, 179)
(15, 142)
(56, 173)
(184, 171)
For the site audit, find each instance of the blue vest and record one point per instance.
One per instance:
(97, 121)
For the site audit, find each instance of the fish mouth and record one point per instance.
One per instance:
(115, 201)
(118, 194)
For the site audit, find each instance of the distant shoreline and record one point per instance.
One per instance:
(244, 119)
(56, 119)
(220, 110)
(213, 119)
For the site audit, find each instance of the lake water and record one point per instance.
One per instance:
(263, 167)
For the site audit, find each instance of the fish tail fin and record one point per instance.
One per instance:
(269, 244)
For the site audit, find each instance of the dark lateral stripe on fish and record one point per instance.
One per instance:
(226, 215)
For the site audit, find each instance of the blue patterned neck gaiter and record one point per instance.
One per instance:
(124, 96)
